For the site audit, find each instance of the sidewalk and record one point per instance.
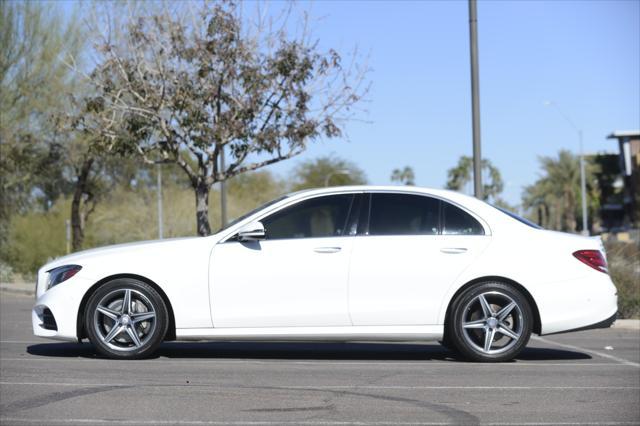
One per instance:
(28, 289)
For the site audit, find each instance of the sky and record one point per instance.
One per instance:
(582, 55)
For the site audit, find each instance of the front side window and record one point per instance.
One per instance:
(314, 218)
(458, 222)
(403, 214)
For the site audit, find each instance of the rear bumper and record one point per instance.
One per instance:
(602, 324)
(579, 304)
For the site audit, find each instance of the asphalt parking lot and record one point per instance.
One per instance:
(558, 380)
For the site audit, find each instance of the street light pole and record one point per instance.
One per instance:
(67, 224)
(223, 192)
(159, 193)
(583, 188)
(475, 99)
(583, 179)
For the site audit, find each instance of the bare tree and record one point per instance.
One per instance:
(191, 87)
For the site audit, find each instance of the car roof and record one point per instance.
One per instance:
(444, 193)
(350, 188)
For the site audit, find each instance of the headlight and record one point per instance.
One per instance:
(61, 274)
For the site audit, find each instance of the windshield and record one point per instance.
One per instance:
(256, 210)
(517, 217)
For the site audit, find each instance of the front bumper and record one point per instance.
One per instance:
(55, 313)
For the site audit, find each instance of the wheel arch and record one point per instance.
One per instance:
(81, 332)
(537, 324)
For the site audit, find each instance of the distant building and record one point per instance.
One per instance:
(629, 160)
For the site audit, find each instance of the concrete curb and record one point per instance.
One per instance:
(627, 324)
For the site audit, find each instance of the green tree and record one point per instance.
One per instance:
(327, 171)
(460, 175)
(190, 89)
(33, 39)
(404, 176)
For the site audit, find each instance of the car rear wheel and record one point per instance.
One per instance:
(126, 319)
(490, 322)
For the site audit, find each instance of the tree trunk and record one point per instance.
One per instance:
(540, 217)
(77, 220)
(202, 209)
(570, 211)
(547, 215)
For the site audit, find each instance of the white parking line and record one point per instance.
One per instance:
(314, 387)
(303, 422)
(408, 363)
(589, 351)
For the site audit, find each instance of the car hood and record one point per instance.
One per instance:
(126, 249)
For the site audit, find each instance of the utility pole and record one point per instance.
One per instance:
(159, 196)
(223, 192)
(475, 99)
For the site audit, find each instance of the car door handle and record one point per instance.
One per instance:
(453, 250)
(327, 249)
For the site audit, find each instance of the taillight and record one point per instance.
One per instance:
(593, 258)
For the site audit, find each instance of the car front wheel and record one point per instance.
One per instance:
(126, 319)
(491, 322)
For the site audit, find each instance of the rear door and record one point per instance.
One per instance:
(409, 250)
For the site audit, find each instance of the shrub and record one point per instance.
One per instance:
(37, 237)
(624, 267)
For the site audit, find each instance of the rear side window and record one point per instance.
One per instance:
(458, 222)
(314, 218)
(403, 214)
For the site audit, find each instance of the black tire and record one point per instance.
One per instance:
(493, 333)
(112, 328)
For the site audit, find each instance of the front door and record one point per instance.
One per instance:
(295, 277)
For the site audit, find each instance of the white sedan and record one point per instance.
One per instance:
(361, 263)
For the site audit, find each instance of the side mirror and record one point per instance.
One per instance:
(253, 231)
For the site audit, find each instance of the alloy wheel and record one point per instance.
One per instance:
(124, 319)
(492, 322)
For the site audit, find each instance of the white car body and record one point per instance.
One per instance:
(339, 288)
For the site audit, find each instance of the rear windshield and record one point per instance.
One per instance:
(516, 217)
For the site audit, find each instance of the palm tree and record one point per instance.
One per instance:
(405, 176)
(555, 197)
(460, 175)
